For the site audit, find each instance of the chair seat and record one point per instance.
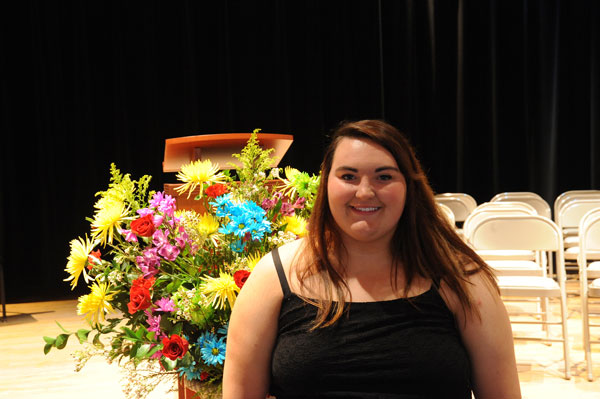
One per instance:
(515, 268)
(528, 286)
(573, 252)
(593, 270)
(572, 241)
(506, 254)
(594, 288)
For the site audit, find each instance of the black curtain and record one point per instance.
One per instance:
(496, 95)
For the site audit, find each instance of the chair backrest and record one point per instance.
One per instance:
(571, 213)
(506, 205)
(568, 196)
(485, 212)
(461, 204)
(589, 239)
(540, 204)
(447, 212)
(519, 232)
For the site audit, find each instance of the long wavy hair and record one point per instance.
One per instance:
(424, 243)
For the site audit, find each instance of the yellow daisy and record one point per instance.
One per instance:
(196, 173)
(96, 304)
(219, 290)
(295, 224)
(107, 219)
(77, 260)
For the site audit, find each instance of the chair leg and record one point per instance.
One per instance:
(586, 331)
(565, 334)
(2, 293)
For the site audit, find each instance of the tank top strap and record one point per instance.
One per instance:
(285, 287)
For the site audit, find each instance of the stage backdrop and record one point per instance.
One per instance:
(496, 96)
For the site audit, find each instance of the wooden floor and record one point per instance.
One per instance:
(25, 372)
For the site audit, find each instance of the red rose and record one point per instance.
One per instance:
(139, 295)
(174, 347)
(91, 261)
(240, 277)
(216, 190)
(144, 226)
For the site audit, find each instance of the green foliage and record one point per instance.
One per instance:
(254, 159)
(134, 193)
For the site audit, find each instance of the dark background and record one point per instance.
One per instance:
(495, 95)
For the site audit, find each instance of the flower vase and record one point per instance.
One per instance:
(196, 390)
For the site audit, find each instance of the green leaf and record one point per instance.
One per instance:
(61, 327)
(49, 340)
(134, 350)
(61, 341)
(96, 341)
(82, 334)
(47, 348)
(150, 335)
(153, 350)
(168, 364)
(143, 351)
(177, 328)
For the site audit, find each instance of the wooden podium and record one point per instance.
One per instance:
(218, 148)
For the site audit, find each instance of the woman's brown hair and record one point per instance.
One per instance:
(424, 243)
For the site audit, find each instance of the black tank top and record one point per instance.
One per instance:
(401, 348)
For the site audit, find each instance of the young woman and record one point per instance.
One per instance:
(381, 299)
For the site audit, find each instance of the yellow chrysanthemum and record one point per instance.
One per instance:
(80, 251)
(288, 187)
(208, 224)
(219, 290)
(95, 304)
(107, 219)
(295, 224)
(252, 260)
(109, 199)
(196, 173)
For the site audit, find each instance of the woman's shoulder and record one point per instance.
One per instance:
(265, 268)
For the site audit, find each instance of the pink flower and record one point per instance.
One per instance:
(165, 305)
(159, 238)
(153, 322)
(129, 235)
(169, 252)
(149, 262)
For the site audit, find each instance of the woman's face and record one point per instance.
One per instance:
(366, 191)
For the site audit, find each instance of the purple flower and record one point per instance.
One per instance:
(182, 239)
(145, 211)
(156, 199)
(169, 252)
(167, 205)
(159, 238)
(287, 209)
(158, 219)
(149, 262)
(267, 204)
(165, 305)
(300, 202)
(153, 322)
(129, 235)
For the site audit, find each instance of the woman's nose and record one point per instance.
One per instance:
(365, 190)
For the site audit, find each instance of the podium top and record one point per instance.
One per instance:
(219, 147)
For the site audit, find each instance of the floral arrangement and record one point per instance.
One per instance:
(163, 281)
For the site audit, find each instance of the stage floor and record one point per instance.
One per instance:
(25, 372)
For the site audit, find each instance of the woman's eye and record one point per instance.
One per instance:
(347, 177)
(385, 177)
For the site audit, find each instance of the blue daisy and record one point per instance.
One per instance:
(213, 351)
(190, 372)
